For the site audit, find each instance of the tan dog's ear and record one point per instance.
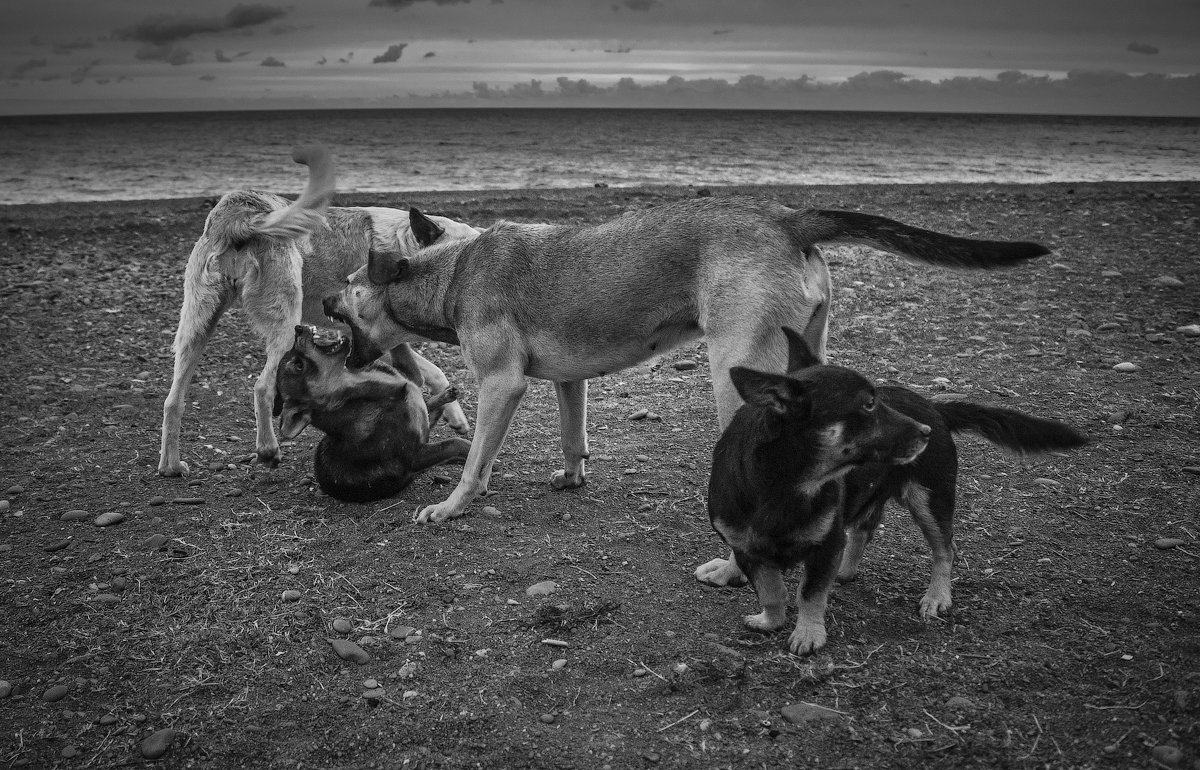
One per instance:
(800, 355)
(384, 267)
(424, 229)
(293, 420)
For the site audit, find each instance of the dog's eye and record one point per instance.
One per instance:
(869, 404)
(295, 365)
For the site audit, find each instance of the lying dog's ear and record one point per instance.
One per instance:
(424, 229)
(775, 392)
(384, 267)
(800, 355)
(293, 420)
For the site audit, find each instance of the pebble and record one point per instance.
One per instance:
(15, 489)
(1052, 483)
(1167, 282)
(106, 599)
(441, 478)
(547, 719)
(108, 519)
(370, 684)
(640, 414)
(913, 732)
(156, 500)
(347, 650)
(1126, 366)
(58, 546)
(216, 466)
(960, 703)
(75, 515)
(290, 595)
(4, 506)
(106, 720)
(804, 713)
(402, 632)
(1166, 754)
(375, 694)
(56, 693)
(559, 664)
(158, 743)
(342, 625)
(491, 510)
(1110, 273)
(642, 458)
(1166, 543)
(154, 542)
(544, 588)
(653, 416)
(5, 688)
(188, 501)
(685, 365)
(640, 672)
(410, 694)
(70, 751)
(1191, 330)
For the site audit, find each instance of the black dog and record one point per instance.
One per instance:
(375, 421)
(819, 449)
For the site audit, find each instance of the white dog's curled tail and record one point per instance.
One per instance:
(309, 209)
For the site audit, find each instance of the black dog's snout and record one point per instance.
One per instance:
(328, 304)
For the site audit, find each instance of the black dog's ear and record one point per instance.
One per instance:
(800, 355)
(277, 408)
(293, 421)
(384, 267)
(775, 392)
(424, 229)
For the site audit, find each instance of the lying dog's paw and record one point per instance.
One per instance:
(560, 480)
(720, 572)
(807, 639)
(456, 419)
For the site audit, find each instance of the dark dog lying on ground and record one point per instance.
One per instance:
(375, 421)
(821, 449)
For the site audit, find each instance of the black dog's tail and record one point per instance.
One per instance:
(1009, 428)
(816, 226)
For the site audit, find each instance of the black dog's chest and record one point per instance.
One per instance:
(782, 538)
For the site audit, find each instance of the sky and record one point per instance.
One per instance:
(1117, 57)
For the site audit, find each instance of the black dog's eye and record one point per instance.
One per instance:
(869, 404)
(295, 365)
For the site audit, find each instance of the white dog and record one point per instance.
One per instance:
(277, 259)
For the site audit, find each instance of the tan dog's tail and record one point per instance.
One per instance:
(308, 210)
(814, 226)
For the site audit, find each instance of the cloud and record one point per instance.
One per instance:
(208, 76)
(635, 5)
(396, 5)
(271, 61)
(322, 60)
(221, 57)
(1145, 48)
(391, 54)
(77, 44)
(26, 66)
(429, 54)
(160, 30)
(171, 54)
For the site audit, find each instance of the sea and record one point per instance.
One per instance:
(102, 157)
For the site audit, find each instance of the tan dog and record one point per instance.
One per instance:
(277, 260)
(568, 303)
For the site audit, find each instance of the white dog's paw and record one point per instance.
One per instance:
(563, 480)
(720, 572)
(933, 603)
(766, 620)
(437, 513)
(174, 467)
(807, 638)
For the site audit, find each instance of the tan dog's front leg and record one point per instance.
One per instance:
(499, 396)
(572, 418)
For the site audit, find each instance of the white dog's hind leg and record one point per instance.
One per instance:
(572, 417)
(198, 317)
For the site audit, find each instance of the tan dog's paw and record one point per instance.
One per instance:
(933, 603)
(560, 480)
(268, 456)
(173, 468)
(437, 513)
(807, 639)
(720, 572)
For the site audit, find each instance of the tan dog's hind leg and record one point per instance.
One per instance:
(276, 326)
(572, 417)
(499, 396)
(198, 317)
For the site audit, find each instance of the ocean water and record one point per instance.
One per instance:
(175, 155)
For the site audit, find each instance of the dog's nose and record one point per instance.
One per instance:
(300, 329)
(926, 431)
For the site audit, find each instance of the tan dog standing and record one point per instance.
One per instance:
(277, 259)
(568, 303)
